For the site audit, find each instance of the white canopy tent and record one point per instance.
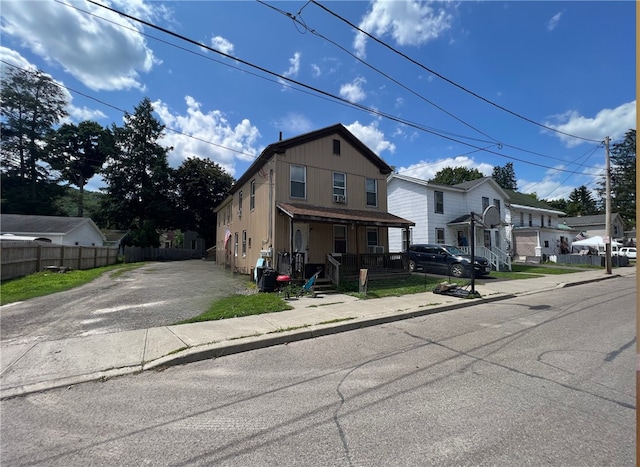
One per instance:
(596, 242)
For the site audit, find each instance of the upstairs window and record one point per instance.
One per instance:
(339, 187)
(240, 203)
(298, 181)
(336, 147)
(371, 186)
(485, 203)
(496, 203)
(252, 195)
(438, 201)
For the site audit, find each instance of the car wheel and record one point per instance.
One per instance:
(457, 270)
(412, 266)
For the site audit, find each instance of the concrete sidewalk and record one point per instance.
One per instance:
(33, 367)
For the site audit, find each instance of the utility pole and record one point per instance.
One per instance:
(607, 207)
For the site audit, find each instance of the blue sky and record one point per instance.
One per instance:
(480, 83)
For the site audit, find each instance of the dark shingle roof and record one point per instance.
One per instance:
(22, 224)
(522, 199)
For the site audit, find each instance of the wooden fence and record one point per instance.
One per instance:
(23, 258)
(134, 254)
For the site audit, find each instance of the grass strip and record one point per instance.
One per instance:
(46, 282)
(236, 306)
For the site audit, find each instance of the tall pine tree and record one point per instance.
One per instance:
(32, 104)
(138, 178)
(623, 178)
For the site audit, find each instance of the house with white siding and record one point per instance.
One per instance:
(534, 228)
(442, 214)
(78, 231)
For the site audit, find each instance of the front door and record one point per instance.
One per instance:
(300, 247)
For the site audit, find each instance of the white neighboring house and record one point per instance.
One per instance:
(535, 229)
(78, 231)
(442, 214)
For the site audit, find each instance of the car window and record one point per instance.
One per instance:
(433, 250)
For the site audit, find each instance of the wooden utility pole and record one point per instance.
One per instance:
(607, 206)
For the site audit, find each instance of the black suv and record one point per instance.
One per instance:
(445, 259)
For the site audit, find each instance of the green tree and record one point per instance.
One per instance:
(505, 176)
(559, 204)
(138, 178)
(78, 152)
(31, 105)
(455, 175)
(623, 178)
(581, 202)
(201, 185)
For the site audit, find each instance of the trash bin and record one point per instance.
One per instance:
(267, 281)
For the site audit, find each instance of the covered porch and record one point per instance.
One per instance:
(338, 241)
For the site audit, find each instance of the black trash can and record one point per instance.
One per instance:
(267, 282)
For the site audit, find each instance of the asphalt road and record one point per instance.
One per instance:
(543, 379)
(156, 294)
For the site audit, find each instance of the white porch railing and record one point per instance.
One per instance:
(498, 259)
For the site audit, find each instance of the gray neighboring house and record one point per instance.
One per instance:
(595, 225)
(72, 231)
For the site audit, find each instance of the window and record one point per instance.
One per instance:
(339, 186)
(235, 245)
(530, 220)
(244, 243)
(496, 203)
(336, 147)
(372, 238)
(485, 203)
(439, 235)
(522, 219)
(438, 202)
(339, 239)
(240, 203)
(546, 243)
(541, 220)
(252, 195)
(407, 238)
(549, 221)
(298, 181)
(371, 186)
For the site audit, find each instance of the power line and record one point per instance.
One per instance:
(317, 90)
(125, 112)
(298, 20)
(444, 78)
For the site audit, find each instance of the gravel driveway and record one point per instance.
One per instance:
(157, 294)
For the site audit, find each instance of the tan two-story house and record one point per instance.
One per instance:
(318, 200)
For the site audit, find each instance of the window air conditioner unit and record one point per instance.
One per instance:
(341, 199)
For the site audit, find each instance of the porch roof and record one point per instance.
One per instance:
(304, 212)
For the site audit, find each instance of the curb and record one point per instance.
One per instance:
(235, 346)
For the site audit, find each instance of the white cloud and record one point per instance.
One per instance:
(316, 71)
(353, 91)
(608, 122)
(222, 44)
(293, 124)
(427, 170)
(371, 136)
(101, 54)
(76, 114)
(408, 22)
(553, 22)
(229, 142)
(294, 68)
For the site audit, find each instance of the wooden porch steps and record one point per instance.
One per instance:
(324, 286)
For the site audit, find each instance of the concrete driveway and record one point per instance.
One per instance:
(157, 294)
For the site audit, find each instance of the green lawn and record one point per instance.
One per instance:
(46, 283)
